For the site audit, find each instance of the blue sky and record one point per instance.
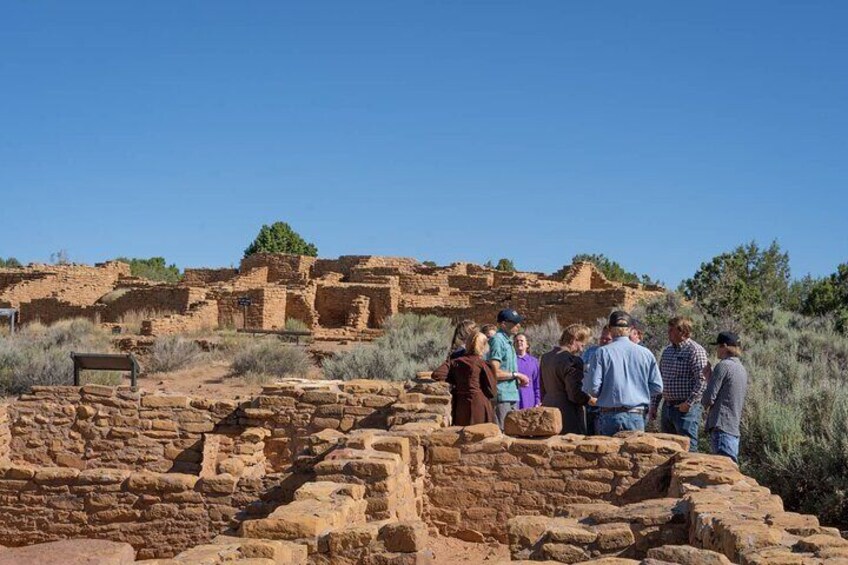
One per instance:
(658, 133)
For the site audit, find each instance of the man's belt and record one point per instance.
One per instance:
(629, 409)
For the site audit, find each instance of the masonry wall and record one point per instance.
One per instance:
(478, 479)
(96, 426)
(282, 268)
(50, 310)
(334, 301)
(159, 298)
(158, 514)
(207, 276)
(266, 311)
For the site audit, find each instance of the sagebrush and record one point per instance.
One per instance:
(271, 357)
(411, 343)
(543, 337)
(173, 352)
(41, 355)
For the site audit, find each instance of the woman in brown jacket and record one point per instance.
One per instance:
(474, 384)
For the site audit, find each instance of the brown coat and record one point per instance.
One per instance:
(474, 386)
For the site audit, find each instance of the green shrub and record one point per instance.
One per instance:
(154, 269)
(411, 343)
(270, 357)
(279, 237)
(295, 325)
(40, 355)
(543, 337)
(173, 352)
(794, 429)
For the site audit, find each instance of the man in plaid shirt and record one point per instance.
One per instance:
(685, 370)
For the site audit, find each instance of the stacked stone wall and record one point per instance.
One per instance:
(478, 479)
(267, 308)
(158, 514)
(207, 276)
(334, 301)
(282, 268)
(200, 316)
(155, 298)
(97, 426)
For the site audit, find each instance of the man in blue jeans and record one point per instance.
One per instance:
(725, 396)
(685, 370)
(623, 377)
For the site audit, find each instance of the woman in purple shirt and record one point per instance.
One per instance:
(530, 395)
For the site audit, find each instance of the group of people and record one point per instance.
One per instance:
(602, 389)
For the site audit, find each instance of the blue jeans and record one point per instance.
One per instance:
(722, 443)
(592, 415)
(673, 421)
(610, 423)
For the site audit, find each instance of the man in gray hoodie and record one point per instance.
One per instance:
(725, 397)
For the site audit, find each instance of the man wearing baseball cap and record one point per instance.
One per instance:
(725, 396)
(504, 361)
(623, 377)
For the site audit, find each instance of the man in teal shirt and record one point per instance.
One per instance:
(504, 361)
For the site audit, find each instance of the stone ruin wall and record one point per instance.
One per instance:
(362, 472)
(348, 296)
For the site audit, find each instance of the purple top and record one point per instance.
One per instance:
(530, 395)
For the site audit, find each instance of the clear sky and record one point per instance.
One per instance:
(658, 133)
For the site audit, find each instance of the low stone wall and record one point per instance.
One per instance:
(478, 478)
(114, 427)
(159, 514)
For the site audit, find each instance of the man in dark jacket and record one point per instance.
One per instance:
(562, 379)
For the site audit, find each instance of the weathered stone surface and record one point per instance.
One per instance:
(687, 555)
(405, 537)
(70, 552)
(541, 421)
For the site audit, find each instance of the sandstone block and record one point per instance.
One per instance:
(576, 535)
(404, 537)
(161, 482)
(541, 421)
(562, 552)
(687, 555)
(218, 484)
(70, 552)
(479, 432)
(18, 472)
(347, 539)
(232, 466)
(613, 537)
(440, 454)
(817, 542)
(98, 390)
(102, 476)
(55, 475)
(164, 401)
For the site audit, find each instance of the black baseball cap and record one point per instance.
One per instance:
(727, 338)
(509, 315)
(620, 319)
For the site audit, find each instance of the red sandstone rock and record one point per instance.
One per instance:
(541, 421)
(70, 552)
(687, 555)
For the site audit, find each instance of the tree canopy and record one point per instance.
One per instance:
(611, 269)
(279, 237)
(10, 263)
(154, 269)
(504, 264)
(829, 295)
(742, 283)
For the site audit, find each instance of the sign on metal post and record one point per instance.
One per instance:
(105, 362)
(12, 314)
(244, 302)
